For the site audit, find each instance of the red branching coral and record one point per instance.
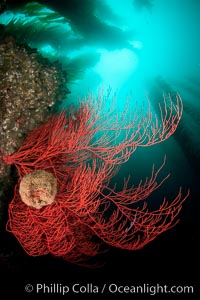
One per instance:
(83, 151)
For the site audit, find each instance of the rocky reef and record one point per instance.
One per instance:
(31, 89)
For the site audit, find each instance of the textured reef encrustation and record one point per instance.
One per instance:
(31, 88)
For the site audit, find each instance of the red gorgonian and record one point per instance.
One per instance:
(63, 203)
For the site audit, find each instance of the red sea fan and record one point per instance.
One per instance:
(63, 203)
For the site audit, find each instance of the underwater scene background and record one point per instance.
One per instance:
(127, 48)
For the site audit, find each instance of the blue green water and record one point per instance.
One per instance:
(135, 47)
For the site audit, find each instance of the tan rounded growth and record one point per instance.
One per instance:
(38, 189)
